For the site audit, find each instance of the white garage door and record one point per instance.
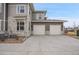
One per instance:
(38, 29)
(55, 29)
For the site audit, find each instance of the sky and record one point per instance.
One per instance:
(61, 11)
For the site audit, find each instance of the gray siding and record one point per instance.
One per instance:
(2, 17)
(4, 26)
(12, 9)
(2, 13)
(38, 16)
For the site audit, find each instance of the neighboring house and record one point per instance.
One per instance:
(23, 20)
(71, 30)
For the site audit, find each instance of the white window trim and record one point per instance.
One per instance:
(20, 25)
(19, 10)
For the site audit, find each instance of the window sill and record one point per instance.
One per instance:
(20, 31)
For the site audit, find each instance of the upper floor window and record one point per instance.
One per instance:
(20, 9)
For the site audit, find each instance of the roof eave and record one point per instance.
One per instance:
(38, 11)
(32, 7)
(48, 21)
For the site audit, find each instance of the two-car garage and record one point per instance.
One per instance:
(54, 28)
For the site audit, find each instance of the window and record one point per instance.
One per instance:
(47, 28)
(20, 26)
(40, 18)
(20, 9)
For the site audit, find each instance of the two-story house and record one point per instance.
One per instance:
(23, 20)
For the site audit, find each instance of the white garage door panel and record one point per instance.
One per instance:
(38, 29)
(55, 29)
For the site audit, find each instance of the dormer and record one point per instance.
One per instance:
(39, 15)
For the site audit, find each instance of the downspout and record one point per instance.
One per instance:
(4, 16)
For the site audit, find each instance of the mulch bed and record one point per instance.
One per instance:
(13, 40)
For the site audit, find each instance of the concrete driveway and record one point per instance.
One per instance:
(43, 45)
